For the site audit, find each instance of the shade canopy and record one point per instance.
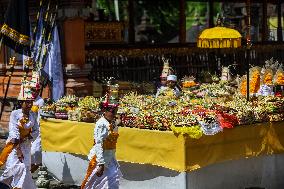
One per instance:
(219, 37)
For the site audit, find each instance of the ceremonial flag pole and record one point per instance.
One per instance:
(248, 47)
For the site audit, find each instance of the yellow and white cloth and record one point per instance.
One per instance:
(176, 152)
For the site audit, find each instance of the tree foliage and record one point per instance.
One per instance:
(164, 15)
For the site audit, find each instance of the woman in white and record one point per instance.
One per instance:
(103, 171)
(23, 128)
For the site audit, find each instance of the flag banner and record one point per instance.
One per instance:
(16, 27)
(53, 66)
(37, 38)
(42, 35)
(39, 41)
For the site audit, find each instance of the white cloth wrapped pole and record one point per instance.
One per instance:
(36, 150)
(265, 90)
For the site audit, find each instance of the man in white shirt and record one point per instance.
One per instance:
(23, 129)
(103, 170)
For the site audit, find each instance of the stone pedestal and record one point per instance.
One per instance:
(79, 87)
(77, 82)
(42, 181)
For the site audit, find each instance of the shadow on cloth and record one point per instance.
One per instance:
(66, 170)
(136, 172)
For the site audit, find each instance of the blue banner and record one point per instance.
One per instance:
(53, 66)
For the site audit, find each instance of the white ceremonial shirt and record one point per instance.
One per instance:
(101, 132)
(14, 123)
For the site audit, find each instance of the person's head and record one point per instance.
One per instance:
(25, 97)
(35, 91)
(26, 105)
(109, 111)
(163, 80)
(171, 81)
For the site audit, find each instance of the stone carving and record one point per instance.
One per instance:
(42, 181)
(103, 32)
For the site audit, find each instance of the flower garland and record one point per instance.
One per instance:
(255, 80)
(243, 86)
(188, 84)
(193, 131)
(35, 108)
(268, 77)
(279, 77)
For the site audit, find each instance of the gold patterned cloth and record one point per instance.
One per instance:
(15, 35)
(5, 153)
(111, 140)
(16, 27)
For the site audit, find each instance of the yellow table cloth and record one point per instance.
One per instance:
(165, 149)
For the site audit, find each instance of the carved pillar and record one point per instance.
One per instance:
(74, 41)
(264, 21)
(279, 25)
(182, 22)
(131, 30)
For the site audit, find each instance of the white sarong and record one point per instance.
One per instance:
(17, 174)
(109, 179)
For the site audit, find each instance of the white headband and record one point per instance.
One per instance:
(172, 78)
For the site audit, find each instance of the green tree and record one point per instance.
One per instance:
(163, 14)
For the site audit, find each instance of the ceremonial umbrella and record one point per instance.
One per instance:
(219, 37)
(222, 37)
